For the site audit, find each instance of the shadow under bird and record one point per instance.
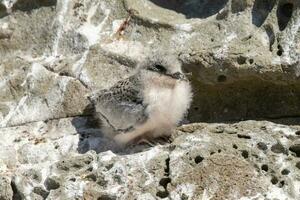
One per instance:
(146, 105)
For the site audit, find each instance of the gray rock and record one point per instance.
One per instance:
(243, 55)
(262, 146)
(295, 147)
(8, 156)
(199, 163)
(278, 148)
(244, 59)
(6, 192)
(52, 183)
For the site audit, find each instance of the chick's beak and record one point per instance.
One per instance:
(179, 76)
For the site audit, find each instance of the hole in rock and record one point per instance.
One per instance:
(193, 8)
(198, 159)
(164, 182)
(222, 78)
(101, 181)
(298, 165)
(167, 169)
(261, 10)
(162, 194)
(281, 184)
(41, 192)
(87, 162)
(251, 61)
(184, 197)
(262, 146)
(90, 169)
(265, 168)
(107, 197)
(284, 14)
(242, 136)
(77, 5)
(274, 180)
(278, 148)
(255, 155)
(91, 177)
(280, 50)
(64, 73)
(72, 179)
(51, 184)
(285, 172)
(295, 149)
(245, 154)
(241, 60)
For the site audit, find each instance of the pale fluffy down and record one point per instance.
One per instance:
(167, 101)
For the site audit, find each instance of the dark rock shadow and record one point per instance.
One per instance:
(27, 5)
(238, 5)
(3, 11)
(193, 8)
(228, 101)
(91, 137)
(271, 35)
(261, 10)
(289, 121)
(284, 14)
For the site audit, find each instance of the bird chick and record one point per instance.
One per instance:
(148, 104)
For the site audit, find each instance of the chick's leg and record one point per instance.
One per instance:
(126, 138)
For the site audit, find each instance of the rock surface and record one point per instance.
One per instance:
(244, 55)
(244, 59)
(68, 159)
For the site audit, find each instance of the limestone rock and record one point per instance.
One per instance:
(244, 55)
(6, 192)
(199, 163)
(244, 59)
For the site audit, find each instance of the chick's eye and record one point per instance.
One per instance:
(160, 68)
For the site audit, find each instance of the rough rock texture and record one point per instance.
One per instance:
(244, 55)
(251, 159)
(244, 59)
